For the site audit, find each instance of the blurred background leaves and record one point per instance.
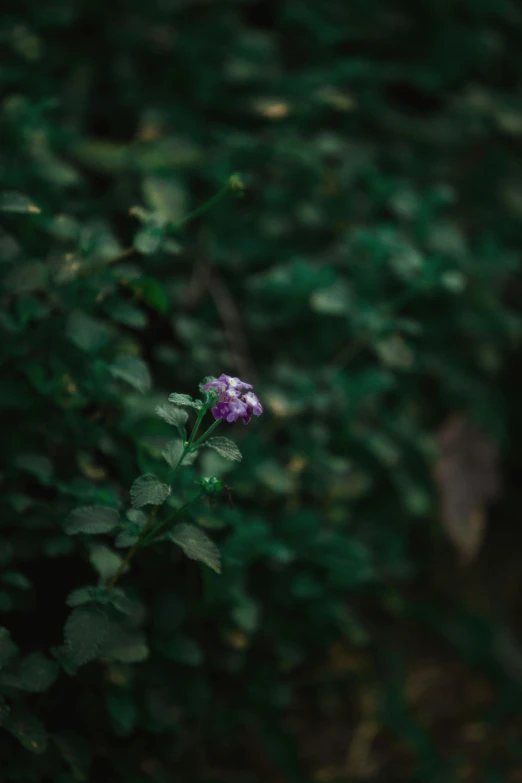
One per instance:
(368, 282)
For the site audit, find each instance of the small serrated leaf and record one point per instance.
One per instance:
(175, 416)
(133, 370)
(185, 401)
(86, 630)
(82, 595)
(115, 596)
(196, 545)
(172, 453)
(225, 448)
(206, 379)
(104, 561)
(92, 520)
(147, 489)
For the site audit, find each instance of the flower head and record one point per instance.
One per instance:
(225, 384)
(234, 402)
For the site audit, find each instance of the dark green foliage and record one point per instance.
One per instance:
(368, 282)
(196, 545)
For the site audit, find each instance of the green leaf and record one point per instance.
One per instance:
(11, 201)
(104, 561)
(175, 416)
(172, 452)
(189, 458)
(206, 379)
(172, 246)
(37, 465)
(86, 630)
(29, 731)
(225, 448)
(166, 197)
(334, 300)
(36, 673)
(88, 334)
(75, 752)
(185, 400)
(127, 314)
(26, 278)
(196, 545)
(132, 527)
(92, 520)
(148, 490)
(127, 537)
(58, 546)
(16, 579)
(19, 502)
(125, 646)
(120, 600)
(148, 239)
(246, 615)
(115, 596)
(8, 648)
(136, 517)
(83, 595)
(153, 293)
(133, 370)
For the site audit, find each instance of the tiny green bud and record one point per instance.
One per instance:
(236, 184)
(211, 485)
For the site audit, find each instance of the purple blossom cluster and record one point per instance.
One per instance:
(236, 401)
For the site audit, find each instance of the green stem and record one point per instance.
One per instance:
(146, 534)
(132, 551)
(204, 207)
(205, 435)
(194, 432)
(153, 533)
(188, 444)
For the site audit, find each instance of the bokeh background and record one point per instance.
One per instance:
(367, 621)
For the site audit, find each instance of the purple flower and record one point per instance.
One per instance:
(252, 402)
(234, 403)
(225, 384)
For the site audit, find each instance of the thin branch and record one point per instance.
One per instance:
(132, 551)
